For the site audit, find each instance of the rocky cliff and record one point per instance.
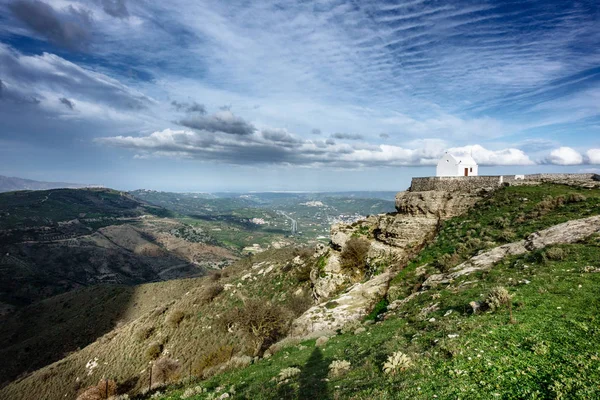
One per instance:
(393, 239)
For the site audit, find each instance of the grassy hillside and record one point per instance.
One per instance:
(185, 320)
(549, 349)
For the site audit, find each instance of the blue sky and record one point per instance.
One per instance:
(294, 95)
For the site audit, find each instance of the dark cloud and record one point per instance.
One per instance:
(69, 28)
(226, 107)
(189, 107)
(115, 8)
(347, 136)
(316, 131)
(68, 103)
(384, 135)
(279, 135)
(330, 142)
(33, 77)
(535, 145)
(222, 121)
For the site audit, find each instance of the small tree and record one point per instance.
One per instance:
(165, 370)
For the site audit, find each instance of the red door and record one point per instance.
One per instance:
(466, 171)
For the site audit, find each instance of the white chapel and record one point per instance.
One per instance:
(451, 165)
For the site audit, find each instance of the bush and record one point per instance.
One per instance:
(497, 298)
(209, 293)
(287, 373)
(576, 198)
(175, 317)
(259, 320)
(555, 254)
(103, 390)
(447, 261)
(299, 304)
(397, 362)
(339, 367)
(214, 275)
(216, 356)
(354, 254)
(143, 332)
(165, 370)
(153, 350)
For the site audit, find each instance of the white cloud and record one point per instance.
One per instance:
(564, 156)
(278, 146)
(484, 156)
(593, 156)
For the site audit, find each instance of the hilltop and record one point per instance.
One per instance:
(480, 293)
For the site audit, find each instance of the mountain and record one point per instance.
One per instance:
(58, 240)
(9, 184)
(471, 292)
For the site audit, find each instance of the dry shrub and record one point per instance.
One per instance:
(213, 357)
(153, 350)
(165, 370)
(302, 272)
(507, 235)
(299, 304)
(103, 390)
(354, 254)
(262, 322)
(555, 254)
(214, 275)
(143, 332)
(209, 293)
(498, 298)
(576, 198)
(175, 317)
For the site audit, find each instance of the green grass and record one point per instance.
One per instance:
(553, 350)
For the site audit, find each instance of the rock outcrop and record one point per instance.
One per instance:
(354, 304)
(568, 232)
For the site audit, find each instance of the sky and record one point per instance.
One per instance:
(192, 95)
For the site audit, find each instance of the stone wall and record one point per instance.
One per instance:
(454, 183)
(475, 183)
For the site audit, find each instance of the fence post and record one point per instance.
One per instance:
(150, 377)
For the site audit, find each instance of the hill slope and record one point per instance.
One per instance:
(58, 240)
(9, 184)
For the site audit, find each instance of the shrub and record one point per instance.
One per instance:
(153, 350)
(210, 292)
(216, 356)
(354, 254)
(103, 390)
(576, 198)
(214, 275)
(497, 298)
(299, 304)
(555, 254)
(500, 222)
(506, 235)
(447, 261)
(165, 370)
(321, 341)
(351, 326)
(143, 332)
(339, 367)
(259, 320)
(302, 272)
(175, 317)
(287, 373)
(397, 362)
(191, 392)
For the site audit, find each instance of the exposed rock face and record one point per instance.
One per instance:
(568, 232)
(355, 304)
(435, 204)
(394, 239)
